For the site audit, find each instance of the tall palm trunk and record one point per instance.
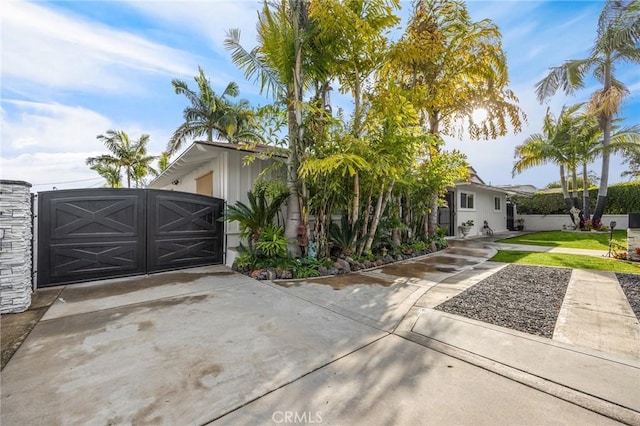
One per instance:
(574, 186)
(605, 124)
(565, 192)
(604, 174)
(432, 212)
(585, 192)
(294, 111)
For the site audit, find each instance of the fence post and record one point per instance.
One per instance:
(15, 246)
(633, 237)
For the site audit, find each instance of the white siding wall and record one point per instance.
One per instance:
(483, 210)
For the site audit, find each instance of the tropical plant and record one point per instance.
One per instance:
(618, 34)
(255, 217)
(281, 63)
(212, 115)
(633, 161)
(163, 161)
(272, 242)
(125, 155)
(553, 145)
(344, 237)
(451, 67)
(110, 173)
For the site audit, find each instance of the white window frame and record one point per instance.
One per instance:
(475, 200)
(499, 209)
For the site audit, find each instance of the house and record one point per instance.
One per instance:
(216, 169)
(474, 200)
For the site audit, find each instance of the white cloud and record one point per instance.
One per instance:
(50, 127)
(64, 170)
(55, 49)
(210, 19)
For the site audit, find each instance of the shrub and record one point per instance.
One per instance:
(621, 199)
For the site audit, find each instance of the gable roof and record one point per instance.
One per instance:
(198, 154)
(475, 181)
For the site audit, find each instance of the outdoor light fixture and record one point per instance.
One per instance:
(612, 225)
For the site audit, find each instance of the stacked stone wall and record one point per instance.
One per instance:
(15, 246)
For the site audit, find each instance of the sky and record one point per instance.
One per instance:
(71, 70)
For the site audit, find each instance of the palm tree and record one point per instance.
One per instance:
(212, 115)
(633, 160)
(551, 146)
(110, 173)
(163, 161)
(125, 154)
(281, 63)
(616, 42)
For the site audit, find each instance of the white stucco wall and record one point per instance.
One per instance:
(483, 210)
(554, 222)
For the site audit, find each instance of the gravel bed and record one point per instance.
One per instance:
(520, 297)
(630, 284)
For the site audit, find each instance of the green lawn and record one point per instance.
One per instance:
(582, 240)
(566, 260)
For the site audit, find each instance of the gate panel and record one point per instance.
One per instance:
(183, 230)
(446, 214)
(90, 234)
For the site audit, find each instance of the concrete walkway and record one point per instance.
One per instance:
(208, 345)
(596, 314)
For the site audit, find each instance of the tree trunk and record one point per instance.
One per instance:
(293, 202)
(395, 232)
(383, 199)
(434, 129)
(574, 184)
(356, 201)
(565, 193)
(365, 225)
(605, 124)
(294, 112)
(585, 192)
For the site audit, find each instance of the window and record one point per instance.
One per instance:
(204, 185)
(467, 200)
(497, 204)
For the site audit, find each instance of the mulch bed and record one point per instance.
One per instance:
(630, 284)
(520, 297)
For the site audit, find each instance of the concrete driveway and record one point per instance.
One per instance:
(207, 344)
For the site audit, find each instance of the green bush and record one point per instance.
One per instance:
(621, 199)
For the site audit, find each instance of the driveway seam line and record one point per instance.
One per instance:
(296, 379)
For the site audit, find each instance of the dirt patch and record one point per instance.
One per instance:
(14, 328)
(90, 292)
(339, 282)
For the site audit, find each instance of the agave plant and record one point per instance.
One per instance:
(255, 217)
(345, 237)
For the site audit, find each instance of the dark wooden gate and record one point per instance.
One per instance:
(446, 214)
(90, 234)
(510, 225)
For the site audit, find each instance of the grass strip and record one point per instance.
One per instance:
(581, 240)
(566, 261)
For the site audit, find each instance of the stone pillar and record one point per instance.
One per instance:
(633, 237)
(15, 246)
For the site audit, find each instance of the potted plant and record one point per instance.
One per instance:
(465, 227)
(520, 224)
